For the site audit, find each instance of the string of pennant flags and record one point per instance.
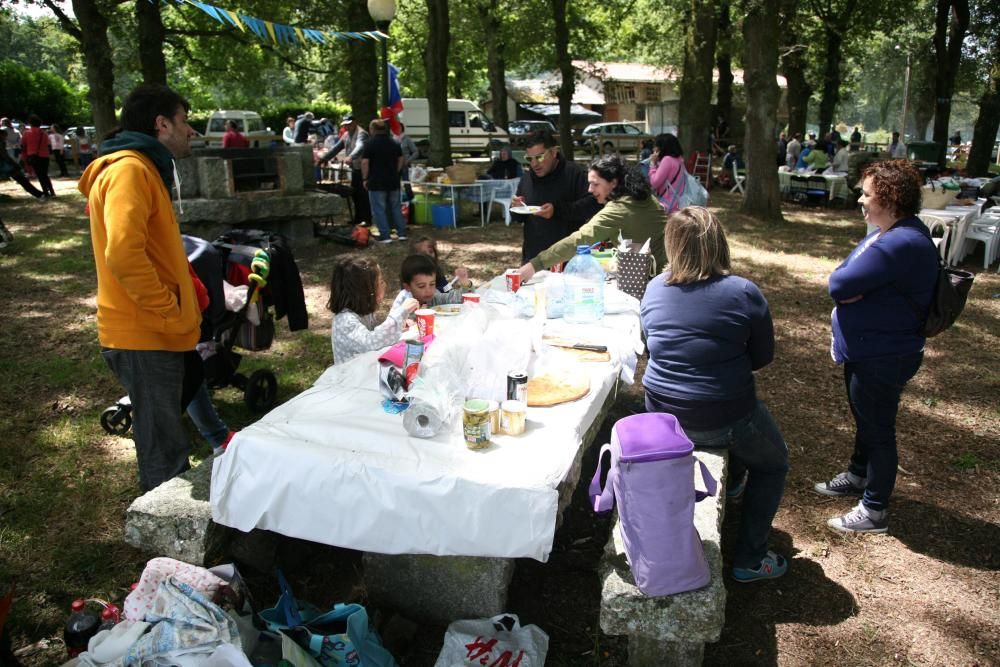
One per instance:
(278, 33)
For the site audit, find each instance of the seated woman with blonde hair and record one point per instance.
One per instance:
(707, 331)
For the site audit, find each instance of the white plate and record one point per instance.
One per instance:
(448, 310)
(525, 210)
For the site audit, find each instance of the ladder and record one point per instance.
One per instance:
(700, 166)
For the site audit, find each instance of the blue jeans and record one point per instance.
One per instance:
(386, 203)
(873, 390)
(755, 444)
(206, 419)
(154, 380)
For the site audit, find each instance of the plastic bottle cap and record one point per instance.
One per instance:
(583, 250)
(107, 614)
(78, 605)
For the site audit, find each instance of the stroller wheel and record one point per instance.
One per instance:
(261, 391)
(116, 420)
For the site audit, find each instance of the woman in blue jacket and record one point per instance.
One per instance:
(882, 293)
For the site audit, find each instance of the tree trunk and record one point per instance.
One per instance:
(496, 64)
(922, 75)
(362, 65)
(568, 85)
(724, 63)
(760, 62)
(694, 114)
(985, 130)
(149, 26)
(93, 36)
(949, 32)
(831, 81)
(436, 63)
(798, 92)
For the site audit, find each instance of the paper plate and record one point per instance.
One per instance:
(448, 309)
(525, 210)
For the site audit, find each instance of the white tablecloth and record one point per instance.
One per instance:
(332, 467)
(835, 183)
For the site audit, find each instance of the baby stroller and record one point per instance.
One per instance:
(262, 264)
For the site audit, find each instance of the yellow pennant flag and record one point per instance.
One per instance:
(270, 31)
(302, 36)
(236, 19)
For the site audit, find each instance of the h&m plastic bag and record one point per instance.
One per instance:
(497, 641)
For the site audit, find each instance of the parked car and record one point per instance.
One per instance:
(249, 123)
(614, 137)
(520, 130)
(70, 138)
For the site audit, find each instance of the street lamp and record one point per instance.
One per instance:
(383, 11)
(906, 95)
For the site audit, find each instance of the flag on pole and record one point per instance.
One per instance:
(391, 112)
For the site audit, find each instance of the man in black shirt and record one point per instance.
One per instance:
(381, 163)
(559, 187)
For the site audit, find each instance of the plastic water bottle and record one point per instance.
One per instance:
(583, 301)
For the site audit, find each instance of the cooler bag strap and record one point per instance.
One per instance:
(604, 498)
(710, 484)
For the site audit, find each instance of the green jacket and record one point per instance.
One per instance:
(635, 219)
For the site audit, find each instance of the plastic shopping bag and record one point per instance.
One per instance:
(497, 641)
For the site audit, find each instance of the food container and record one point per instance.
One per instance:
(425, 321)
(494, 417)
(513, 278)
(512, 417)
(476, 423)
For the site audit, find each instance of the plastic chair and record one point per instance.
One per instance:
(502, 192)
(987, 230)
(738, 180)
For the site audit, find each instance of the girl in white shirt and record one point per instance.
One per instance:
(356, 289)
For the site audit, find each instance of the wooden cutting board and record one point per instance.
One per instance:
(553, 389)
(584, 355)
(566, 345)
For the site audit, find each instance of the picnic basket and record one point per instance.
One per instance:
(461, 173)
(937, 197)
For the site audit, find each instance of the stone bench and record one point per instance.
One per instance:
(672, 629)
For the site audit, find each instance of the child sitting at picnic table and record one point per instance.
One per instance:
(418, 276)
(425, 245)
(356, 289)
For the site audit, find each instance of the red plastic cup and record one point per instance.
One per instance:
(425, 321)
(513, 277)
(472, 297)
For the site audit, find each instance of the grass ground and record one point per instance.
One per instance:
(928, 593)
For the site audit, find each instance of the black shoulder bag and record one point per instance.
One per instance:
(951, 289)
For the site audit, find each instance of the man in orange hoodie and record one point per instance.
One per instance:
(147, 309)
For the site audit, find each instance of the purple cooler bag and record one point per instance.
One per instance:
(652, 478)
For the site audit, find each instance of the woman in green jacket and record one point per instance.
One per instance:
(629, 209)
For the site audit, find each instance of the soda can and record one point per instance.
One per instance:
(411, 360)
(517, 387)
(471, 297)
(513, 277)
(425, 321)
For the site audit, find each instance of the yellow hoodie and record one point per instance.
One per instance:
(145, 295)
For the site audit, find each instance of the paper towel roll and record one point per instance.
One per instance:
(422, 420)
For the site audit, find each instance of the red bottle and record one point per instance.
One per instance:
(80, 627)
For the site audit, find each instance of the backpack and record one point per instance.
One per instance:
(692, 193)
(951, 289)
(651, 477)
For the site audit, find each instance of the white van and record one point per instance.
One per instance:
(249, 123)
(471, 129)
